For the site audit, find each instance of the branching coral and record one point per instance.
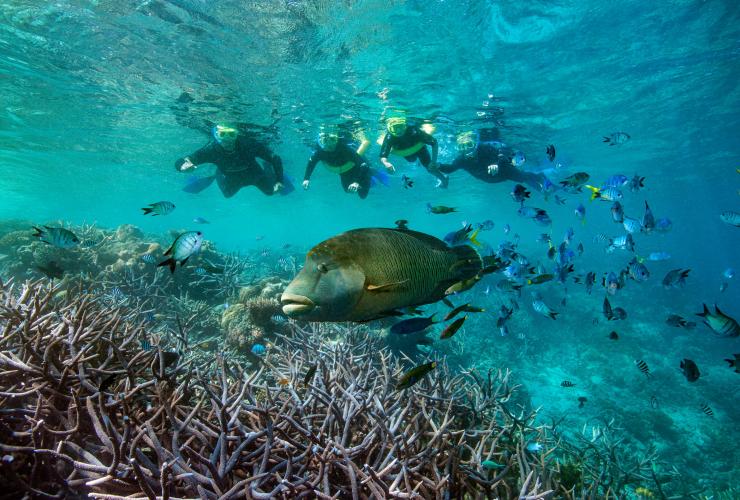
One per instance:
(84, 410)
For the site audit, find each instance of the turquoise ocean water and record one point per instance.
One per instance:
(88, 135)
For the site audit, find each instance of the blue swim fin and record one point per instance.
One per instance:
(379, 176)
(288, 186)
(196, 184)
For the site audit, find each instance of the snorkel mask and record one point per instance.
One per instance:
(225, 136)
(466, 143)
(396, 126)
(327, 139)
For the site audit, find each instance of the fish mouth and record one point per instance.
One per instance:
(294, 305)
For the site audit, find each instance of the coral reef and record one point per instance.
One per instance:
(86, 411)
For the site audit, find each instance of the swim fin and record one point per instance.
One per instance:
(379, 176)
(196, 184)
(288, 186)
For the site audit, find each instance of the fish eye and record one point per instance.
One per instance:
(322, 268)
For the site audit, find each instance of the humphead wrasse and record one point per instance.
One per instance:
(365, 274)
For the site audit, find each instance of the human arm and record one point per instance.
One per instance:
(310, 167)
(205, 154)
(385, 150)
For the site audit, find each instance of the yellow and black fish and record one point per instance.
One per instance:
(414, 375)
(440, 209)
(567, 383)
(452, 328)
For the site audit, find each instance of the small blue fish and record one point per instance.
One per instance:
(569, 234)
(507, 229)
(259, 350)
(148, 258)
(663, 225)
(631, 225)
(729, 273)
(615, 181)
(637, 270)
(534, 447)
(200, 220)
(117, 294)
(200, 271)
(486, 225)
(659, 256)
(581, 213)
(542, 219)
(518, 159)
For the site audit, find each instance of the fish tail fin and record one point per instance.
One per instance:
(730, 362)
(685, 273)
(473, 238)
(169, 262)
(642, 182)
(148, 210)
(595, 192)
(552, 315)
(38, 232)
(705, 312)
(606, 139)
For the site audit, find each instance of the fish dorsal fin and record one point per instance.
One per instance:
(386, 287)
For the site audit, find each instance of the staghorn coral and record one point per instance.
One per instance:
(84, 411)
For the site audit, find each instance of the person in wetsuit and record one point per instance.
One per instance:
(340, 157)
(235, 155)
(411, 143)
(488, 161)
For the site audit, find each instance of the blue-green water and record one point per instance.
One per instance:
(87, 134)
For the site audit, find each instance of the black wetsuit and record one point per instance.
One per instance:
(412, 136)
(487, 154)
(339, 159)
(239, 167)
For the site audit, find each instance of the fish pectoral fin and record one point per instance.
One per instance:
(386, 287)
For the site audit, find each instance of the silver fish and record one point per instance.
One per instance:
(182, 249)
(56, 236)
(159, 208)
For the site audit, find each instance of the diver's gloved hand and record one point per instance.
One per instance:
(187, 165)
(277, 187)
(388, 165)
(493, 169)
(306, 184)
(352, 188)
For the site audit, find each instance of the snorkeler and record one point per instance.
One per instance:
(236, 155)
(339, 157)
(488, 161)
(411, 143)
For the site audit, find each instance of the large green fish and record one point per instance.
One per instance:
(366, 274)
